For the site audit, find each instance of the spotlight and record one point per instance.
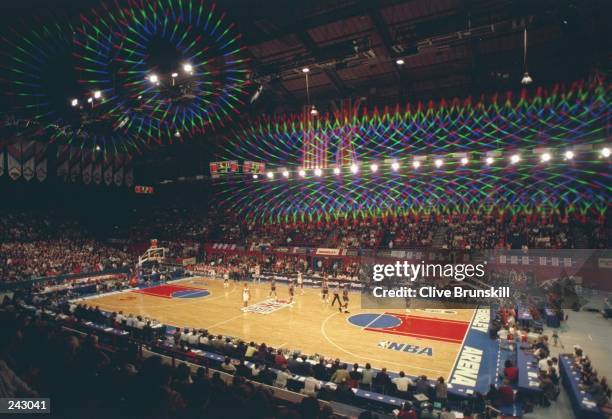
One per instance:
(97, 148)
(177, 134)
(416, 164)
(318, 171)
(97, 94)
(545, 157)
(285, 174)
(336, 170)
(188, 68)
(74, 102)
(270, 175)
(399, 61)
(605, 152)
(302, 172)
(90, 100)
(489, 161)
(395, 166)
(374, 167)
(153, 78)
(174, 75)
(314, 111)
(305, 70)
(255, 177)
(438, 162)
(354, 168)
(464, 161)
(569, 155)
(526, 79)
(139, 96)
(515, 159)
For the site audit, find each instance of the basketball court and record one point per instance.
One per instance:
(418, 341)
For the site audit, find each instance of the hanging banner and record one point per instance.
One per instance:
(14, 160)
(97, 167)
(118, 169)
(63, 153)
(27, 158)
(87, 162)
(1, 159)
(108, 169)
(129, 172)
(75, 163)
(41, 161)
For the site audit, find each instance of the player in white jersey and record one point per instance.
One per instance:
(300, 281)
(246, 295)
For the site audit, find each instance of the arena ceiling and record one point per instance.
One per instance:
(449, 48)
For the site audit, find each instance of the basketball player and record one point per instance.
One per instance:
(272, 288)
(345, 298)
(226, 281)
(337, 296)
(291, 291)
(246, 295)
(325, 291)
(300, 281)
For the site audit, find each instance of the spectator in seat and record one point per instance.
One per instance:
(227, 366)
(279, 359)
(441, 391)
(266, 376)
(428, 413)
(407, 412)
(366, 376)
(421, 385)
(382, 382)
(402, 383)
(341, 375)
(311, 386)
(242, 370)
(281, 377)
(320, 371)
(510, 372)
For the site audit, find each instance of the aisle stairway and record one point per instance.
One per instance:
(439, 238)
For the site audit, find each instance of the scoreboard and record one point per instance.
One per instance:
(143, 189)
(219, 168)
(253, 167)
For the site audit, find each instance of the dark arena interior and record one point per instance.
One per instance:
(315, 209)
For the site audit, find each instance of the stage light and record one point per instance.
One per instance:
(605, 152)
(188, 68)
(374, 167)
(354, 168)
(74, 102)
(255, 177)
(569, 155)
(464, 161)
(526, 79)
(97, 94)
(545, 157)
(515, 158)
(285, 173)
(399, 61)
(305, 70)
(90, 100)
(153, 78)
(174, 75)
(302, 173)
(438, 163)
(318, 171)
(416, 164)
(98, 148)
(270, 175)
(336, 170)
(139, 96)
(395, 166)
(489, 161)
(177, 134)
(314, 111)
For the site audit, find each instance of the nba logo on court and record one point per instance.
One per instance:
(266, 306)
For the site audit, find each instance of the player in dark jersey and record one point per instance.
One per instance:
(325, 291)
(273, 288)
(345, 298)
(337, 296)
(291, 291)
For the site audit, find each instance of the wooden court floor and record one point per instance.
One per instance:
(417, 341)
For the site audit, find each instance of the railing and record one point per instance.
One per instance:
(13, 286)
